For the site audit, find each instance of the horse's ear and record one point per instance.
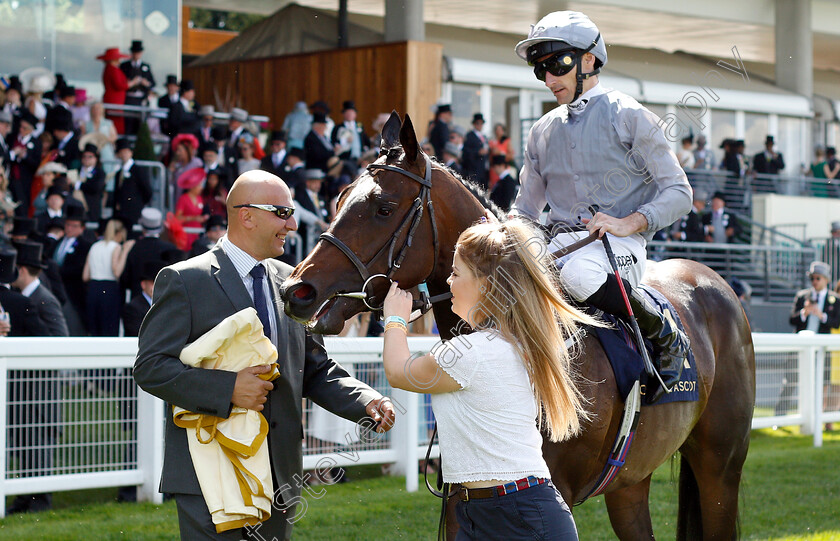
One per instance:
(391, 131)
(408, 140)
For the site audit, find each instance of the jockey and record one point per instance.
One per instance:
(600, 151)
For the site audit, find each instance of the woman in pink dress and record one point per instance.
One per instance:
(189, 209)
(115, 83)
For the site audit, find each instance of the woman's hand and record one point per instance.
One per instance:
(397, 302)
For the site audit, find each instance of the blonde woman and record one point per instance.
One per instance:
(103, 268)
(495, 389)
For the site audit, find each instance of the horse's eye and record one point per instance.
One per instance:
(385, 210)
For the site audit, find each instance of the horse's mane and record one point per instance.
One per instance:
(483, 196)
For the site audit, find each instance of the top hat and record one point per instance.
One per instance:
(320, 105)
(67, 91)
(123, 143)
(111, 54)
(818, 267)
(186, 85)
(63, 120)
(93, 149)
(29, 254)
(151, 219)
(239, 115)
(171, 80)
(15, 84)
(218, 171)
(349, 104)
(151, 268)
(278, 135)
(769, 139)
(215, 221)
(5, 116)
(719, 195)
(207, 146)
(297, 152)
(835, 226)
(319, 118)
(22, 227)
(498, 159)
(8, 270)
(444, 108)
(452, 148)
(28, 117)
(206, 110)
(74, 212)
(136, 46)
(726, 142)
(219, 133)
(315, 174)
(55, 190)
(477, 117)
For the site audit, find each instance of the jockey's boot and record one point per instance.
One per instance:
(670, 344)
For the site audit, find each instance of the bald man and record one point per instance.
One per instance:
(193, 296)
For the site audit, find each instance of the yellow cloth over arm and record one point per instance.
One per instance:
(230, 456)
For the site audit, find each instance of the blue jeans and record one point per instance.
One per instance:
(538, 512)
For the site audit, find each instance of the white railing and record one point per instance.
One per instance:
(74, 419)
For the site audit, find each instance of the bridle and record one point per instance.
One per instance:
(411, 221)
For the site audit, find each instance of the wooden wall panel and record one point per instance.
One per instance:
(379, 78)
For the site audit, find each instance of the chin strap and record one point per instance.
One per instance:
(580, 77)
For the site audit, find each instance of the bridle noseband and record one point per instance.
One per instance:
(411, 221)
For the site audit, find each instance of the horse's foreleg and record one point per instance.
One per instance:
(629, 512)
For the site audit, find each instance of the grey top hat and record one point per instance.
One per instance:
(5, 116)
(151, 219)
(206, 110)
(835, 226)
(314, 174)
(452, 148)
(818, 267)
(240, 115)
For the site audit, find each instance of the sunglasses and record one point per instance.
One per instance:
(284, 213)
(557, 65)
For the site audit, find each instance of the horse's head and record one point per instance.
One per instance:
(384, 228)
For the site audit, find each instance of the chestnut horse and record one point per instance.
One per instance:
(378, 215)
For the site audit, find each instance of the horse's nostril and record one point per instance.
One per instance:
(303, 293)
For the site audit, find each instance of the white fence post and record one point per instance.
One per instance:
(805, 388)
(819, 363)
(405, 439)
(150, 426)
(4, 397)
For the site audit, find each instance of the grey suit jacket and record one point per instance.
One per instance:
(193, 296)
(49, 311)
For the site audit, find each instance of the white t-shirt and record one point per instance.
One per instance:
(488, 428)
(100, 260)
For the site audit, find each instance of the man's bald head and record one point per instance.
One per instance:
(259, 232)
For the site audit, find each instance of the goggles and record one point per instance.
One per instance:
(284, 213)
(557, 64)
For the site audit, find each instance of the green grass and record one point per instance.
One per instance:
(791, 492)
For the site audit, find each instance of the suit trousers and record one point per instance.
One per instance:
(196, 524)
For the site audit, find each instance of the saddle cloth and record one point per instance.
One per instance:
(619, 343)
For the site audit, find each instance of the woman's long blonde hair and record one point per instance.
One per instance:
(522, 301)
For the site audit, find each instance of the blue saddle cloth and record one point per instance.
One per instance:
(620, 346)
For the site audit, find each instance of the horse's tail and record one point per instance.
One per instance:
(689, 523)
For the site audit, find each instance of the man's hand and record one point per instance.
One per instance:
(250, 391)
(619, 227)
(382, 412)
(5, 328)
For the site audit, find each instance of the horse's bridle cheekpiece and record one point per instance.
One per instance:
(412, 221)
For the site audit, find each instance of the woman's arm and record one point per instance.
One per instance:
(86, 270)
(119, 256)
(404, 370)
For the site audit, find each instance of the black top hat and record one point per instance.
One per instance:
(498, 159)
(93, 149)
(297, 152)
(29, 254)
(22, 227)
(278, 135)
(320, 105)
(477, 117)
(319, 117)
(215, 221)
(719, 195)
(55, 223)
(186, 85)
(67, 91)
(55, 190)
(15, 84)
(219, 133)
(218, 171)
(8, 270)
(122, 143)
(151, 269)
(74, 212)
(136, 46)
(207, 146)
(63, 120)
(444, 108)
(28, 117)
(171, 80)
(349, 104)
(769, 139)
